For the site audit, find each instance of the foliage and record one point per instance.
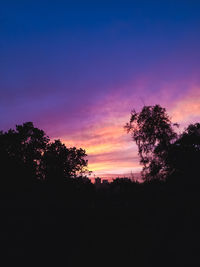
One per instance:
(21, 150)
(183, 156)
(153, 132)
(27, 152)
(60, 162)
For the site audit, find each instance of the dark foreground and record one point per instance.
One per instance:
(156, 224)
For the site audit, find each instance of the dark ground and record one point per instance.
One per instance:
(141, 225)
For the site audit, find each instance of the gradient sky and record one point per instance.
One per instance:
(77, 68)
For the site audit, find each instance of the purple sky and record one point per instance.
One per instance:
(77, 68)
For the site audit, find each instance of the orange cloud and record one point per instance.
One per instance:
(106, 148)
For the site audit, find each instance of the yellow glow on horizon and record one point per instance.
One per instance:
(111, 166)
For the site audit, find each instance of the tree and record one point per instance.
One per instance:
(21, 150)
(153, 132)
(59, 162)
(184, 155)
(26, 154)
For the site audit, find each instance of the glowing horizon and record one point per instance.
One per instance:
(111, 151)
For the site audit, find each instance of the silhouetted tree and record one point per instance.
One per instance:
(21, 151)
(60, 162)
(184, 155)
(26, 155)
(153, 132)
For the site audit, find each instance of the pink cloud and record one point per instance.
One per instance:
(98, 128)
(187, 109)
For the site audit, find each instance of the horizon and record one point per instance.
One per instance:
(78, 69)
(113, 176)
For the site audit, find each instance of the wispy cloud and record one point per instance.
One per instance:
(109, 148)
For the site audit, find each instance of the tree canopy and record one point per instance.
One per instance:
(153, 132)
(27, 153)
(60, 162)
(184, 155)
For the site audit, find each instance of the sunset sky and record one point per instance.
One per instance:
(78, 68)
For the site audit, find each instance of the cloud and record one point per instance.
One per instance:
(97, 126)
(108, 148)
(187, 108)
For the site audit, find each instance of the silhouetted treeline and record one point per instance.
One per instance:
(27, 156)
(51, 213)
(161, 150)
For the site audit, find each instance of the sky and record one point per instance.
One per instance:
(76, 69)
